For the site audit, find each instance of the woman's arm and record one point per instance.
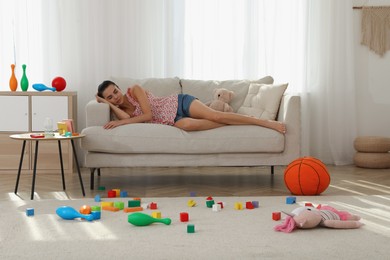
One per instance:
(139, 94)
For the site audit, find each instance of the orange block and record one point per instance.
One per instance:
(85, 209)
(110, 208)
(133, 209)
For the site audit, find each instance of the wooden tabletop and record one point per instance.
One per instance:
(41, 137)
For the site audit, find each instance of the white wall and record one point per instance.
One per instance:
(372, 82)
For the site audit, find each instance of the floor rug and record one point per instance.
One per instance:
(226, 234)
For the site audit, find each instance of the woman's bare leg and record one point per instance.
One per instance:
(198, 110)
(191, 124)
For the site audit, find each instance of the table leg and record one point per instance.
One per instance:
(20, 166)
(35, 169)
(78, 167)
(62, 164)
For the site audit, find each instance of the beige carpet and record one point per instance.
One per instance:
(228, 234)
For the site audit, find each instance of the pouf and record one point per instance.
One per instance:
(372, 160)
(306, 176)
(372, 152)
(372, 144)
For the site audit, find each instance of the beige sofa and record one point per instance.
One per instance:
(153, 145)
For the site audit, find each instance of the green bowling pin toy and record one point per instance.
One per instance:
(24, 80)
(141, 219)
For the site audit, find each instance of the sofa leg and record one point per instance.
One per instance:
(92, 180)
(98, 171)
(272, 169)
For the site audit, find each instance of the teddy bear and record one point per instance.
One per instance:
(221, 100)
(310, 217)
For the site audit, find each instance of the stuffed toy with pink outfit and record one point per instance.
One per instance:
(310, 217)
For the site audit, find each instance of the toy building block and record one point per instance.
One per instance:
(209, 198)
(238, 206)
(156, 214)
(308, 204)
(255, 204)
(145, 205)
(96, 208)
(119, 204)
(102, 188)
(222, 204)
(137, 199)
(153, 205)
(123, 194)
(117, 192)
(192, 194)
(249, 205)
(96, 214)
(97, 198)
(291, 200)
(191, 203)
(110, 208)
(133, 209)
(111, 194)
(107, 204)
(217, 207)
(210, 203)
(190, 228)
(30, 212)
(184, 217)
(134, 203)
(276, 216)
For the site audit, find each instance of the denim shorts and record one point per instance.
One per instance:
(183, 108)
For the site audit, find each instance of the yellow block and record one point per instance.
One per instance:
(156, 214)
(238, 206)
(107, 204)
(118, 192)
(191, 203)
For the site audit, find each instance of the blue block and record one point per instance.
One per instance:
(96, 214)
(291, 200)
(255, 204)
(30, 212)
(123, 194)
(97, 198)
(192, 194)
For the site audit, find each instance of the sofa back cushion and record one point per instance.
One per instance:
(158, 86)
(203, 89)
(263, 100)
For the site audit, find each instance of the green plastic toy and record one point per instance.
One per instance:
(24, 80)
(141, 219)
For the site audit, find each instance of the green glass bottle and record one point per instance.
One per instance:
(24, 79)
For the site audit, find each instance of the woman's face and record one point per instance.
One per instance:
(113, 95)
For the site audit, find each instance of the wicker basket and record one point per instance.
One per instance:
(372, 144)
(372, 160)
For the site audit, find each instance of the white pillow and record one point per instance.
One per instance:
(263, 100)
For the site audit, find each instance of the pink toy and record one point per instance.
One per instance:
(326, 216)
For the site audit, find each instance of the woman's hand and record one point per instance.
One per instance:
(100, 100)
(112, 124)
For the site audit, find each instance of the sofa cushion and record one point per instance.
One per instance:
(203, 89)
(263, 100)
(155, 138)
(158, 86)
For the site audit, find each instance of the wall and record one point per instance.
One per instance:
(372, 82)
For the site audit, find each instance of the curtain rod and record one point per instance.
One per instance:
(361, 7)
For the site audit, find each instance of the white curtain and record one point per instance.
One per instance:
(302, 42)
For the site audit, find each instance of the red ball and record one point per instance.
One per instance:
(58, 83)
(306, 176)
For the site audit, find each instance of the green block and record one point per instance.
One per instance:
(134, 203)
(209, 203)
(119, 204)
(95, 208)
(102, 188)
(190, 228)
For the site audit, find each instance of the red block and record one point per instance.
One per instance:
(153, 205)
(249, 205)
(220, 203)
(276, 215)
(111, 194)
(308, 204)
(184, 217)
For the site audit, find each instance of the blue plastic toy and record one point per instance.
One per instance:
(42, 87)
(70, 213)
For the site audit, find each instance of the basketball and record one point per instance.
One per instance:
(58, 83)
(306, 176)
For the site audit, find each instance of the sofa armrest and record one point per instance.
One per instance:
(290, 114)
(97, 114)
